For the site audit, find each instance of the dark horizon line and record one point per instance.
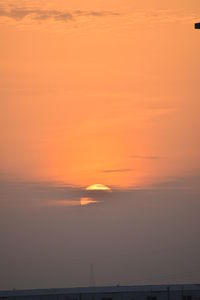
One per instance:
(83, 289)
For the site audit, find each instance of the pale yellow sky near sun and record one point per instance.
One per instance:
(109, 96)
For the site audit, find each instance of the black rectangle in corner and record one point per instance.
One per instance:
(197, 25)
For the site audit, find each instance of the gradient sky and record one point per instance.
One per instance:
(100, 91)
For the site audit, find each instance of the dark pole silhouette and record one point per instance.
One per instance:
(197, 25)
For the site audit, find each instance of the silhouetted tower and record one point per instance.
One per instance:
(197, 25)
(92, 280)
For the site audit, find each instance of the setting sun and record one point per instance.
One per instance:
(98, 187)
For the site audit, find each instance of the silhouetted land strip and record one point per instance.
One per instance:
(145, 292)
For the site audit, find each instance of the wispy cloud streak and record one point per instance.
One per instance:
(148, 157)
(20, 13)
(116, 170)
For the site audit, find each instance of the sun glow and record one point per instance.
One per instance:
(86, 201)
(98, 187)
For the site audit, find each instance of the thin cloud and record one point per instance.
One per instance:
(116, 171)
(30, 194)
(18, 14)
(186, 182)
(162, 16)
(150, 157)
(36, 192)
(94, 13)
(15, 193)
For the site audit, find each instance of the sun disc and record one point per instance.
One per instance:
(98, 187)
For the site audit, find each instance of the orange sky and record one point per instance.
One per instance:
(99, 91)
